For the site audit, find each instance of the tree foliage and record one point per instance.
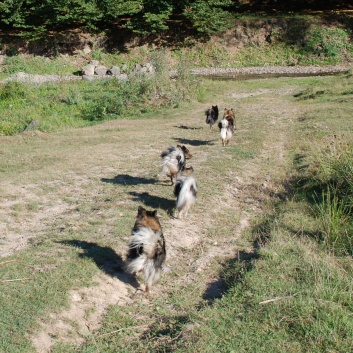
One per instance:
(141, 16)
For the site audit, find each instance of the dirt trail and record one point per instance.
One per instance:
(244, 196)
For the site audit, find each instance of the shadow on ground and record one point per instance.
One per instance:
(233, 271)
(153, 201)
(105, 258)
(125, 179)
(184, 127)
(194, 142)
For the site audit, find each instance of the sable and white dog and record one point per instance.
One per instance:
(147, 250)
(174, 160)
(230, 116)
(185, 191)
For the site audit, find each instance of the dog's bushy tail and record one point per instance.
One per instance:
(146, 253)
(173, 159)
(185, 191)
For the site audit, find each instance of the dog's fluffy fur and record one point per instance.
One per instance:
(185, 191)
(226, 131)
(211, 115)
(227, 126)
(147, 250)
(174, 160)
(230, 116)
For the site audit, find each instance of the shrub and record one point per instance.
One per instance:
(327, 42)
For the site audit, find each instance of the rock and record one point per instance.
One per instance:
(100, 70)
(88, 77)
(94, 62)
(122, 77)
(88, 70)
(87, 49)
(33, 125)
(115, 71)
(138, 68)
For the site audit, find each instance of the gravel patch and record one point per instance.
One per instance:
(273, 70)
(212, 72)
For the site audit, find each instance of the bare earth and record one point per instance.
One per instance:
(85, 163)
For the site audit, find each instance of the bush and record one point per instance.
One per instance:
(327, 42)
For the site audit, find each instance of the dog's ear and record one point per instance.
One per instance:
(232, 109)
(225, 109)
(154, 213)
(141, 211)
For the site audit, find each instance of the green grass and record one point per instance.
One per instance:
(76, 192)
(77, 104)
(311, 310)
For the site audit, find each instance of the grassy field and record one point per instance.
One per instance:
(258, 266)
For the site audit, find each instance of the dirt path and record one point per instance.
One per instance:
(188, 245)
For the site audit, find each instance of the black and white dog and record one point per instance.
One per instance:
(185, 191)
(174, 160)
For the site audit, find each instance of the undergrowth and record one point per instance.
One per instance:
(75, 104)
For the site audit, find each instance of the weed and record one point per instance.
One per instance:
(335, 223)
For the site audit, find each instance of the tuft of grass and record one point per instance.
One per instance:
(335, 223)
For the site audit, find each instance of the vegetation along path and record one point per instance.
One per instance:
(68, 203)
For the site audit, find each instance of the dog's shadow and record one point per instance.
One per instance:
(184, 127)
(154, 201)
(105, 258)
(125, 179)
(194, 142)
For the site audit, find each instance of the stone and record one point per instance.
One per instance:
(88, 70)
(115, 71)
(33, 125)
(88, 77)
(100, 70)
(123, 77)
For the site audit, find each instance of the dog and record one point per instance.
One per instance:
(185, 191)
(174, 160)
(230, 116)
(226, 131)
(147, 251)
(211, 116)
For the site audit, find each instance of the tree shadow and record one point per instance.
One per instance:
(194, 142)
(125, 179)
(105, 258)
(153, 201)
